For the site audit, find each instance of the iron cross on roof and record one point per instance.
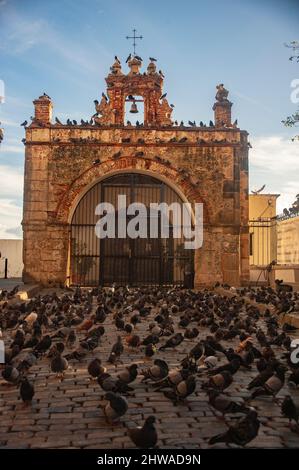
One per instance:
(134, 37)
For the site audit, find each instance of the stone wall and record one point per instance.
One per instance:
(288, 241)
(59, 167)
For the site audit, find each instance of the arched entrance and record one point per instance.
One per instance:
(138, 261)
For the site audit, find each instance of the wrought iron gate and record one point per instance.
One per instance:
(139, 261)
(262, 241)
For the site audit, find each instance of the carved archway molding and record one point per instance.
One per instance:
(183, 187)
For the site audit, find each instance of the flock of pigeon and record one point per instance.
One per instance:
(70, 328)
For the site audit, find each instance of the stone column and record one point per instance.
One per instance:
(222, 113)
(43, 109)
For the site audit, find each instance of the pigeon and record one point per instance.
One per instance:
(112, 384)
(129, 374)
(262, 377)
(43, 345)
(100, 315)
(146, 436)
(273, 385)
(59, 364)
(191, 333)
(128, 58)
(182, 390)
(71, 339)
(26, 391)
(174, 377)
(224, 404)
(151, 339)
(56, 348)
(57, 121)
(241, 433)
(163, 96)
(219, 381)
(156, 372)
(24, 124)
(289, 409)
(116, 351)
(116, 407)
(133, 341)
(85, 325)
(11, 375)
(293, 380)
(152, 59)
(116, 155)
(172, 342)
(95, 368)
(150, 350)
(233, 366)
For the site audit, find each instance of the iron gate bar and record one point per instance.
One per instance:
(104, 261)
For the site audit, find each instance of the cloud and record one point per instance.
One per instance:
(10, 217)
(275, 154)
(11, 182)
(17, 231)
(251, 100)
(12, 148)
(11, 194)
(288, 195)
(22, 34)
(274, 161)
(9, 123)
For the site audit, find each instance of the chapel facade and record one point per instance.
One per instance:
(71, 167)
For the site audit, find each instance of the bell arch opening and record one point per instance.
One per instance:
(143, 260)
(134, 110)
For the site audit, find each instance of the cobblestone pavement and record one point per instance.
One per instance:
(65, 413)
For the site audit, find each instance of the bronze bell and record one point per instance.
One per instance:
(134, 109)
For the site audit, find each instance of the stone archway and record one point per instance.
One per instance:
(185, 188)
(148, 259)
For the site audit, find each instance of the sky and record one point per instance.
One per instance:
(65, 48)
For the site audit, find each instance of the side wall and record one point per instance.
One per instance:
(12, 251)
(288, 241)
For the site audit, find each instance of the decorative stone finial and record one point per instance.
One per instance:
(222, 107)
(43, 109)
(222, 93)
(134, 65)
(116, 68)
(151, 68)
